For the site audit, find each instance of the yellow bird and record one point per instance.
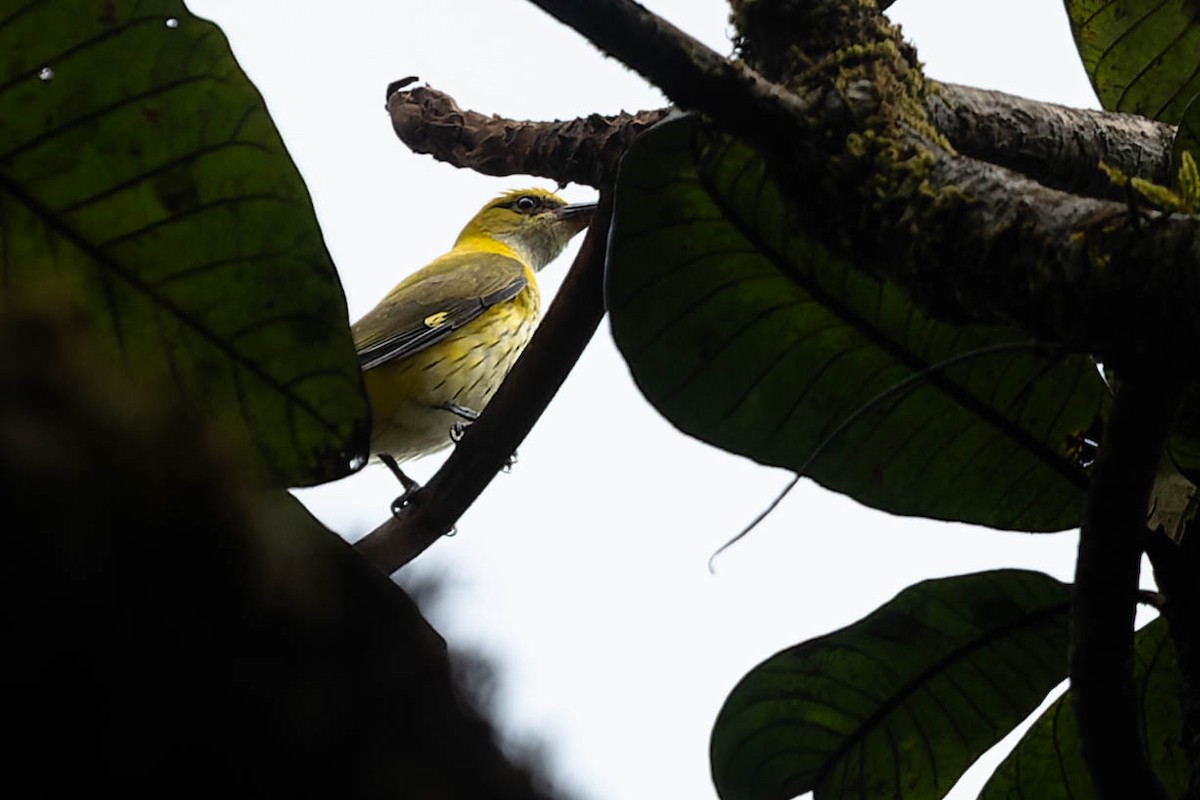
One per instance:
(435, 349)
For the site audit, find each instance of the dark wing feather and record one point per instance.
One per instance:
(433, 302)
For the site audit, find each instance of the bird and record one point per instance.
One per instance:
(434, 350)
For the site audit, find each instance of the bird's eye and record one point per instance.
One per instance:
(525, 204)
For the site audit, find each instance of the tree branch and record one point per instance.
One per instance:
(1055, 145)
(1105, 595)
(556, 345)
(693, 76)
(584, 151)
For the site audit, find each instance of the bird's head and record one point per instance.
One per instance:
(537, 224)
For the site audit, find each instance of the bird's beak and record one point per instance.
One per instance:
(575, 210)
(579, 214)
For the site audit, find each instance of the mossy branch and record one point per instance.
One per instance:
(873, 179)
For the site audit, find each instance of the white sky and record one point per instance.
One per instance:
(582, 573)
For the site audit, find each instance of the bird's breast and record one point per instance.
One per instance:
(409, 395)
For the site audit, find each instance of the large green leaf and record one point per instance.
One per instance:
(900, 703)
(1046, 765)
(1142, 57)
(142, 179)
(1187, 136)
(745, 335)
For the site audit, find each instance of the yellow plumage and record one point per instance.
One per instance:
(436, 348)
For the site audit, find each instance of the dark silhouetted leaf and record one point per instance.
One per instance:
(1045, 765)
(752, 339)
(1141, 57)
(142, 179)
(900, 703)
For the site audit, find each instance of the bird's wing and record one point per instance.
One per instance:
(432, 302)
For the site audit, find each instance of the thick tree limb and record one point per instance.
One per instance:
(1052, 144)
(509, 416)
(1103, 277)
(1105, 595)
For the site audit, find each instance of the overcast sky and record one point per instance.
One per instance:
(582, 573)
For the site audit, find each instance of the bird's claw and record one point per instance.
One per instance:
(468, 416)
(401, 502)
(411, 487)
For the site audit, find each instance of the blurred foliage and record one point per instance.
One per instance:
(173, 632)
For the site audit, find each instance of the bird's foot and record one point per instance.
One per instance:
(411, 487)
(403, 500)
(468, 415)
(458, 429)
